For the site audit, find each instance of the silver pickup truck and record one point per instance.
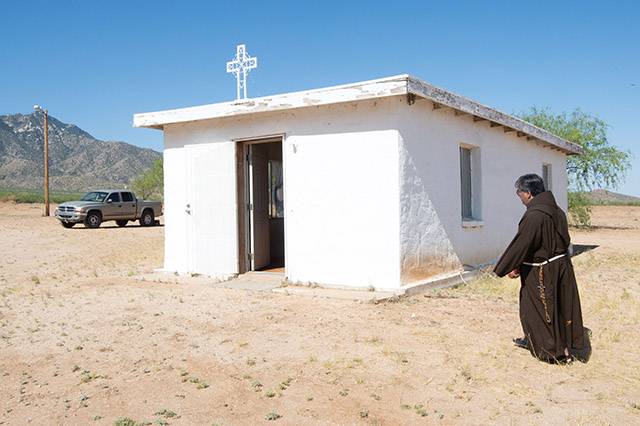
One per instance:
(99, 206)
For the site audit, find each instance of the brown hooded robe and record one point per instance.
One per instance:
(551, 316)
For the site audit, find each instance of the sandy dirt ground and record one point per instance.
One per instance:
(85, 343)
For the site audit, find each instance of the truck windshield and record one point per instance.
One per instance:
(94, 196)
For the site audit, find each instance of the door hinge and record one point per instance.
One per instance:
(250, 207)
(250, 256)
(249, 158)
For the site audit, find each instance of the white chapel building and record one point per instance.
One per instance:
(382, 184)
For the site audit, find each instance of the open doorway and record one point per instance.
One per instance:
(261, 222)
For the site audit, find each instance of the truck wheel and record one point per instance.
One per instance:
(67, 225)
(93, 220)
(147, 218)
(122, 223)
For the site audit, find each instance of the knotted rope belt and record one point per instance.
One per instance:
(541, 282)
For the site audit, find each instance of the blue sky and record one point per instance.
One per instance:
(96, 63)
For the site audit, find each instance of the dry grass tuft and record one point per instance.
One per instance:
(486, 283)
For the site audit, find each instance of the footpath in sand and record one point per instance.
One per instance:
(84, 343)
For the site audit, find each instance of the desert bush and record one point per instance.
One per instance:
(26, 196)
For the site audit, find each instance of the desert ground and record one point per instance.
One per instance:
(85, 342)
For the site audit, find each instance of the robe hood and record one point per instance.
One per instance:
(546, 203)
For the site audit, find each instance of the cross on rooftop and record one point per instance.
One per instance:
(240, 66)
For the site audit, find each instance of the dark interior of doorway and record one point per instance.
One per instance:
(276, 266)
(276, 207)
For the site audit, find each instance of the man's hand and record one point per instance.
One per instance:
(514, 274)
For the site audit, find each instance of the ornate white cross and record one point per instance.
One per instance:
(240, 66)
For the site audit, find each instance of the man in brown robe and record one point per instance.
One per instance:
(550, 310)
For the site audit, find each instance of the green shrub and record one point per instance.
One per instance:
(32, 196)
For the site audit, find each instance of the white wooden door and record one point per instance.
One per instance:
(259, 202)
(210, 207)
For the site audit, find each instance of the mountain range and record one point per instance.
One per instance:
(604, 196)
(77, 160)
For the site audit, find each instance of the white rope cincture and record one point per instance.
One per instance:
(546, 261)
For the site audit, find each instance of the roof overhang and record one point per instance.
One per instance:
(391, 86)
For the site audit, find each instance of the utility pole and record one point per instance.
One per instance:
(46, 159)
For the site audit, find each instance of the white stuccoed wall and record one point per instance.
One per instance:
(430, 196)
(425, 248)
(341, 192)
(341, 216)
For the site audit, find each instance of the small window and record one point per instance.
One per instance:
(546, 176)
(465, 181)
(114, 197)
(470, 183)
(127, 197)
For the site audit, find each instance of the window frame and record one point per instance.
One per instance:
(547, 175)
(470, 185)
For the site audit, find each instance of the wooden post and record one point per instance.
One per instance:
(46, 164)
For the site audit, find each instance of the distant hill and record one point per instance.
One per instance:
(77, 160)
(602, 196)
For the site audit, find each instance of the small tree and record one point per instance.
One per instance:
(150, 184)
(600, 165)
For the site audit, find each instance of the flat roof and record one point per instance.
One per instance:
(384, 87)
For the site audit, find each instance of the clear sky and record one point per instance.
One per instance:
(96, 63)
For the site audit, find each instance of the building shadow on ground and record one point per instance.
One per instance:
(582, 248)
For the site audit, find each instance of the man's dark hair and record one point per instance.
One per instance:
(530, 182)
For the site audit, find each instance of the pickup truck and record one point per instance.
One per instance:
(99, 206)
